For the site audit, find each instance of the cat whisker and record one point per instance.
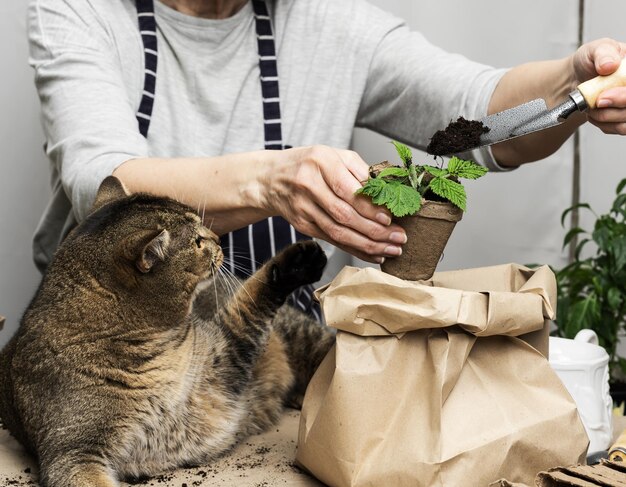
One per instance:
(204, 208)
(233, 291)
(215, 288)
(212, 221)
(241, 254)
(242, 287)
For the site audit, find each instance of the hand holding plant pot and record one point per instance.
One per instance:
(427, 201)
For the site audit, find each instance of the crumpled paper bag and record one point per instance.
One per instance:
(435, 383)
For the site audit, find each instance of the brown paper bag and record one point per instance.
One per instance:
(429, 383)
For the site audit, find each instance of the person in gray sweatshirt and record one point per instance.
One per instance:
(244, 109)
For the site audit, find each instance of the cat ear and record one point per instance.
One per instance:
(146, 247)
(110, 190)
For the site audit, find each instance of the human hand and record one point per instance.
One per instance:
(313, 188)
(603, 57)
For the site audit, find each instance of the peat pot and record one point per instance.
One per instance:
(428, 232)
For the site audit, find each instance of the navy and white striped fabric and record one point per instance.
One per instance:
(147, 29)
(249, 247)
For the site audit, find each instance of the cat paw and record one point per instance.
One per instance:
(299, 264)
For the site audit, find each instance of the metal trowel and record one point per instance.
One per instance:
(534, 115)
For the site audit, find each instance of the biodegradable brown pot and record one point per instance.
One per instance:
(428, 232)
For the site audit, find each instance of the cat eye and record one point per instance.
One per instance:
(200, 241)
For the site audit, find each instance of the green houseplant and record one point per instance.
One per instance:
(427, 201)
(592, 288)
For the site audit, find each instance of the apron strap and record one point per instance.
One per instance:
(269, 76)
(147, 29)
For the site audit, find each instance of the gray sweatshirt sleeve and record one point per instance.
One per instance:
(88, 119)
(415, 88)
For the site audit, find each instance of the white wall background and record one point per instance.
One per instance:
(511, 217)
(24, 175)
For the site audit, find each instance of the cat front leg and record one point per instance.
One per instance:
(260, 296)
(299, 264)
(246, 319)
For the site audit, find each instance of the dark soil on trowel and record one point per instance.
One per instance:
(457, 137)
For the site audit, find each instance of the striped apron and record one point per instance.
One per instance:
(249, 247)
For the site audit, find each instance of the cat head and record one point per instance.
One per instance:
(152, 244)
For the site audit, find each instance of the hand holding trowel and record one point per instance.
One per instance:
(534, 115)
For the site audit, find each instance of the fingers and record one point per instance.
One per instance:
(610, 116)
(357, 166)
(603, 57)
(617, 128)
(314, 189)
(317, 223)
(606, 55)
(363, 206)
(599, 57)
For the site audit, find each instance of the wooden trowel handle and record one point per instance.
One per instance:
(591, 89)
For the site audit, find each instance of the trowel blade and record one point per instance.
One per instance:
(522, 120)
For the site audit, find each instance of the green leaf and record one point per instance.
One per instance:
(619, 203)
(415, 181)
(579, 247)
(465, 169)
(602, 234)
(614, 298)
(450, 190)
(372, 187)
(572, 208)
(619, 249)
(620, 186)
(398, 172)
(404, 152)
(571, 234)
(402, 200)
(583, 314)
(387, 194)
(435, 171)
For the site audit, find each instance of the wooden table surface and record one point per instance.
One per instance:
(264, 460)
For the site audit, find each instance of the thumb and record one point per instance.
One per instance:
(606, 56)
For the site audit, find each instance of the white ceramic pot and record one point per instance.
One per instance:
(583, 367)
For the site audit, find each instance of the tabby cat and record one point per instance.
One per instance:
(117, 371)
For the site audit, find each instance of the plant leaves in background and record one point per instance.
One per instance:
(619, 248)
(592, 290)
(571, 234)
(614, 298)
(572, 208)
(582, 313)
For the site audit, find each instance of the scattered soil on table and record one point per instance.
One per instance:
(456, 137)
(18, 481)
(268, 458)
